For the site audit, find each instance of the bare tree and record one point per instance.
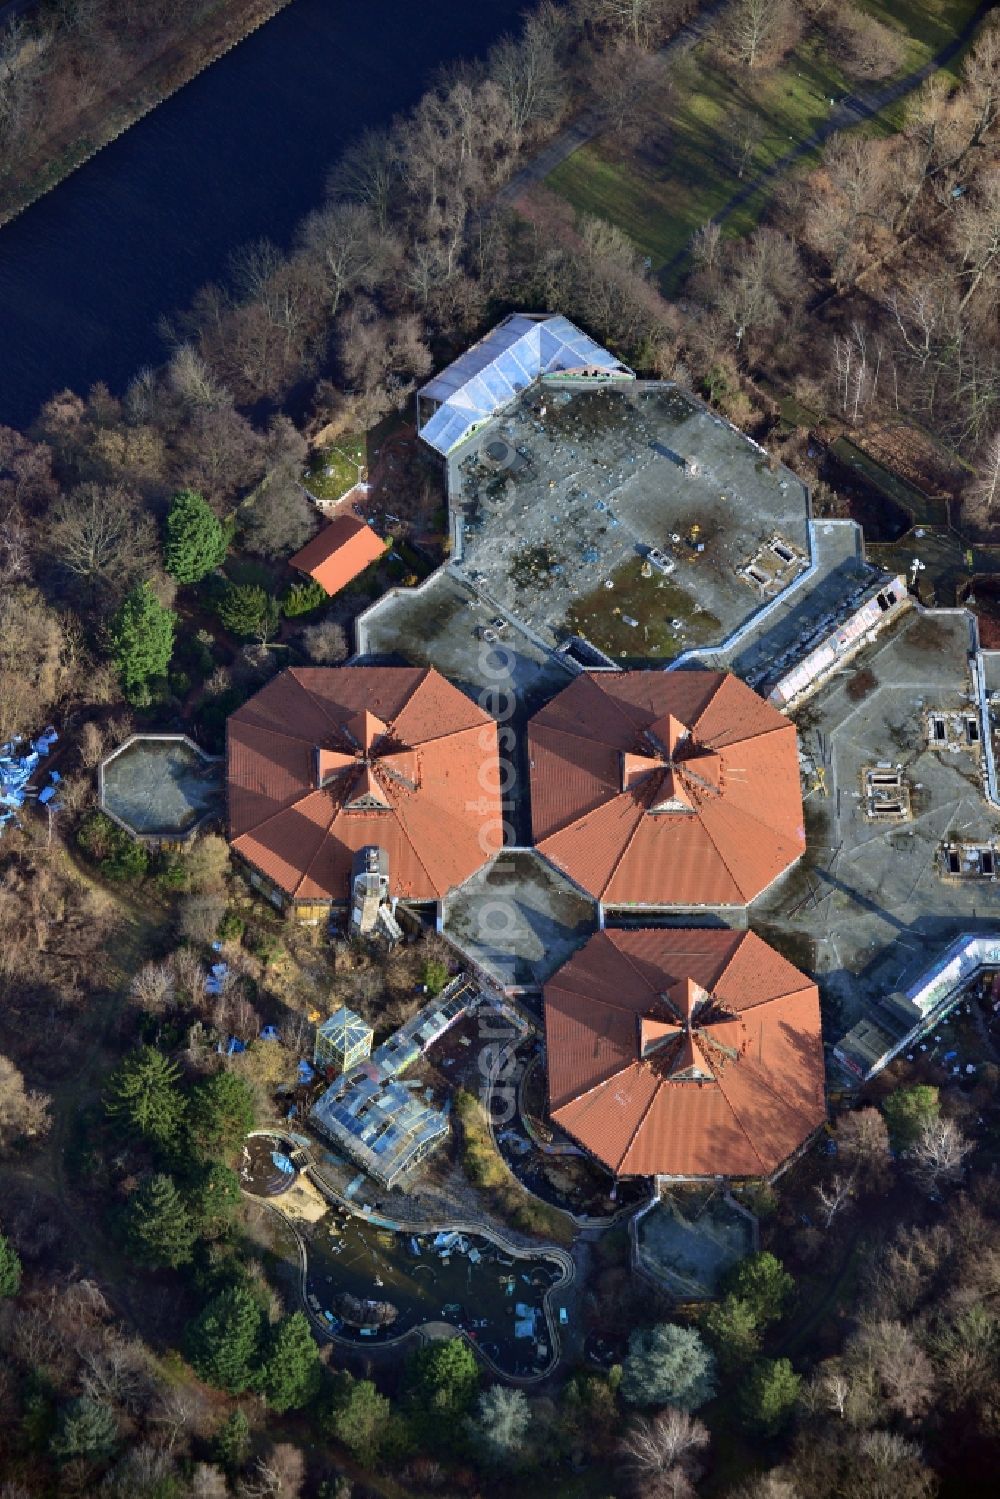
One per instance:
(757, 33)
(982, 495)
(152, 988)
(325, 642)
(903, 1375)
(278, 1476)
(834, 1196)
(350, 248)
(744, 133)
(938, 1156)
(977, 236)
(101, 538)
(527, 71)
(24, 1112)
(665, 1450)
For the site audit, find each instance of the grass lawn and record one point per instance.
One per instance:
(679, 177)
(655, 602)
(335, 469)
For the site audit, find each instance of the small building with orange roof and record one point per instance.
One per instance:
(338, 553)
(326, 761)
(684, 1053)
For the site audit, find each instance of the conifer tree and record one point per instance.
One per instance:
(220, 1112)
(223, 1341)
(196, 540)
(159, 1226)
(291, 1376)
(10, 1268)
(142, 1095)
(142, 642)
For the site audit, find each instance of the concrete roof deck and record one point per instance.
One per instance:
(599, 478)
(867, 909)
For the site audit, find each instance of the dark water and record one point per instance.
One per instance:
(240, 153)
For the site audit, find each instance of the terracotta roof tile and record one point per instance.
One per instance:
(733, 1091)
(721, 823)
(339, 552)
(406, 761)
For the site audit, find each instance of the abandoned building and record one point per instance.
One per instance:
(684, 1053)
(656, 789)
(324, 762)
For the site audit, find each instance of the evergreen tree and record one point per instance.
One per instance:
(768, 1395)
(247, 609)
(220, 1113)
(84, 1428)
(763, 1283)
(732, 1328)
(10, 1269)
(667, 1365)
(142, 642)
(196, 541)
(358, 1416)
(291, 1374)
(907, 1111)
(142, 1095)
(443, 1381)
(232, 1441)
(213, 1199)
(158, 1226)
(223, 1341)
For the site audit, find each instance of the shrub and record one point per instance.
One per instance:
(435, 975)
(302, 598)
(119, 856)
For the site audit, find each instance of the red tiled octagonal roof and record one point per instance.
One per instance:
(682, 1052)
(326, 760)
(665, 788)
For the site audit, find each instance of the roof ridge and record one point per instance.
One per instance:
(645, 1115)
(317, 851)
(732, 1109)
(600, 1082)
(628, 842)
(293, 673)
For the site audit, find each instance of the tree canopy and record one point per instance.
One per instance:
(667, 1364)
(223, 1341)
(159, 1229)
(196, 541)
(142, 642)
(291, 1372)
(358, 1416)
(907, 1110)
(768, 1394)
(763, 1283)
(10, 1268)
(142, 1095)
(84, 1428)
(220, 1112)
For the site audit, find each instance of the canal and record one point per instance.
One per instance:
(240, 153)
